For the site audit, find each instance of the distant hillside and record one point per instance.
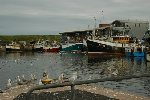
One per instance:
(29, 38)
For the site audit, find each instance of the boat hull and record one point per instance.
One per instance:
(38, 49)
(73, 47)
(12, 48)
(54, 49)
(135, 54)
(96, 47)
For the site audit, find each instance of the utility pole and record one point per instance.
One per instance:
(102, 20)
(94, 31)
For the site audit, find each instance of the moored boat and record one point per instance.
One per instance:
(13, 47)
(55, 49)
(51, 46)
(114, 41)
(74, 41)
(38, 47)
(135, 50)
(104, 40)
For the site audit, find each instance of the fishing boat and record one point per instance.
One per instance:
(38, 47)
(46, 46)
(114, 41)
(54, 47)
(103, 40)
(13, 46)
(74, 41)
(135, 50)
(51, 47)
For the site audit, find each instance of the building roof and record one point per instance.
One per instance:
(78, 31)
(132, 21)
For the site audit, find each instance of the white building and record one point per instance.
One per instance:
(137, 28)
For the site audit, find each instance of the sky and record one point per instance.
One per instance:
(31, 17)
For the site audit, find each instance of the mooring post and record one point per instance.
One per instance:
(72, 92)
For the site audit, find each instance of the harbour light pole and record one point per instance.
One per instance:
(102, 18)
(95, 21)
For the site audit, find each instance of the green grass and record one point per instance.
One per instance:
(29, 38)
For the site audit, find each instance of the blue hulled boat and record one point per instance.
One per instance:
(135, 50)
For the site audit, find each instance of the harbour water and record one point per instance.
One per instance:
(87, 67)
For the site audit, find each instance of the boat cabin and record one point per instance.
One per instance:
(74, 36)
(122, 39)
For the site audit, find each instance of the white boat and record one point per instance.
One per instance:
(13, 47)
(38, 47)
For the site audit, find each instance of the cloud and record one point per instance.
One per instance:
(54, 16)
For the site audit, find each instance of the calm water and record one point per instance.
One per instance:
(87, 67)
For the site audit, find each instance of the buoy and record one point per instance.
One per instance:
(47, 81)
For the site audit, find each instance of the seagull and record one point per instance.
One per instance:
(40, 82)
(33, 77)
(74, 76)
(61, 78)
(22, 82)
(23, 78)
(31, 64)
(9, 83)
(18, 79)
(115, 72)
(90, 77)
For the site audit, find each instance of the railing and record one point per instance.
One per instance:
(72, 84)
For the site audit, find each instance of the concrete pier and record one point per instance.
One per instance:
(84, 91)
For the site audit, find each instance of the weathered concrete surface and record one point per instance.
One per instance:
(13, 92)
(122, 95)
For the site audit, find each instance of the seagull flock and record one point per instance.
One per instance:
(21, 81)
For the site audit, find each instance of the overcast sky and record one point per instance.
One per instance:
(54, 16)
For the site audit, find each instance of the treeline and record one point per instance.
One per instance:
(29, 38)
